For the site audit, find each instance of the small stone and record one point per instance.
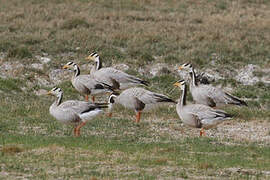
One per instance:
(42, 81)
(121, 67)
(37, 66)
(245, 75)
(43, 60)
(57, 76)
(158, 69)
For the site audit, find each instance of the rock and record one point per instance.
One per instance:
(2, 56)
(42, 81)
(158, 69)
(57, 76)
(121, 67)
(11, 69)
(266, 78)
(245, 75)
(43, 60)
(212, 75)
(37, 66)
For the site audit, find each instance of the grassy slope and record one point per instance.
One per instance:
(138, 33)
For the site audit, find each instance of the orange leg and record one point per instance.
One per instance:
(138, 117)
(93, 99)
(74, 131)
(202, 132)
(78, 128)
(86, 98)
(109, 114)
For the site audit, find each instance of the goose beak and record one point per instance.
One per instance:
(180, 67)
(89, 58)
(65, 67)
(177, 84)
(49, 93)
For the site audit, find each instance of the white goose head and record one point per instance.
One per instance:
(181, 84)
(186, 66)
(70, 65)
(95, 58)
(55, 92)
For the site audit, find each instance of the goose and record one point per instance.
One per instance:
(207, 94)
(198, 115)
(85, 84)
(73, 112)
(138, 99)
(111, 76)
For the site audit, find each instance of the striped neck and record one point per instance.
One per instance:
(76, 71)
(59, 100)
(98, 64)
(193, 77)
(182, 100)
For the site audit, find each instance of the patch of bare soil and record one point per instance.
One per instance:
(249, 132)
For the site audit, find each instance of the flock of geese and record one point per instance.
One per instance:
(122, 89)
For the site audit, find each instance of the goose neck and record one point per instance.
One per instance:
(193, 77)
(182, 100)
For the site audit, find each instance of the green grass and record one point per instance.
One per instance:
(36, 144)
(42, 154)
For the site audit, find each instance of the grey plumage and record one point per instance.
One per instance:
(109, 74)
(198, 115)
(139, 99)
(207, 94)
(73, 112)
(86, 84)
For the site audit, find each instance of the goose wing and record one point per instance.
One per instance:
(217, 95)
(207, 115)
(80, 107)
(119, 76)
(148, 97)
(90, 83)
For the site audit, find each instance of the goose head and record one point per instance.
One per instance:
(55, 92)
(186, 66)
(70, 65)
(93, 57)
(181, 84)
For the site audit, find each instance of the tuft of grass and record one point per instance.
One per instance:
(75, 23)
(19, 52)
(11, 149)
(8, 85)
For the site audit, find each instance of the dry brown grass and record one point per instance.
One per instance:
(193, 30)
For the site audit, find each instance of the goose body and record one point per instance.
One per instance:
(113, 76)
(139, 99)
(72, 111)
(86, 84)
(198, 115)
(209, 95)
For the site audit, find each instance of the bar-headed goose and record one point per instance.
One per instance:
(138, 99)
(111, 76)
(86, 84)
(73, 112)
(198, 115)
(207, 94)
